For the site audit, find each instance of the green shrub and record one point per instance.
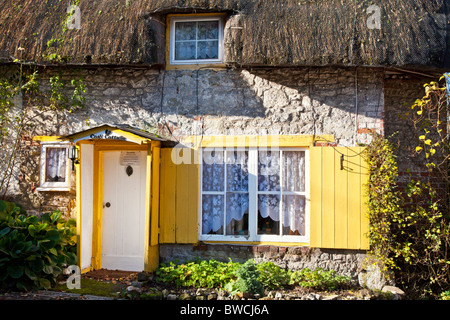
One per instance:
(409, 233)
(272, 276)
(210, 274)
(319, 279)
(33, 250)
(248, 279)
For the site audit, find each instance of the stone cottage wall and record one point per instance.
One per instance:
(345, 102)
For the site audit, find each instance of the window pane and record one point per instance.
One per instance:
(208, 50)
(208, 30)
(268, 214)
(237, 171)
(269, 171)
(237, 213)
(55, 164)
(293, 215)
(185, 50)
(294, 171)
(185, 31)
(212, 214)
(213, 170)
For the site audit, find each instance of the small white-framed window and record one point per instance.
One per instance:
(196, 40)
(54, 167)
(254, 195)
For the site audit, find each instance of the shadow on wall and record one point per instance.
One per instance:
(345, 102)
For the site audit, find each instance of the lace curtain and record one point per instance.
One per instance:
(237, 186)
(294, 214)
(293, 176)
(55, 170)
(237, 200)
(225, 189)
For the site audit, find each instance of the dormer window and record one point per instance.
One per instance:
(196, 39)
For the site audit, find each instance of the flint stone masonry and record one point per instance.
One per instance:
(345, 102)
(344, 262)
(229, 102)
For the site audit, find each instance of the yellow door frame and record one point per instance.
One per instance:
(151, 256)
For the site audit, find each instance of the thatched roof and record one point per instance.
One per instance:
(264, 32)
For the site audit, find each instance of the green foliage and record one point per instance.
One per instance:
(248, 277)
(385, 204)
(408, 233)
(429, 119)
(58, 98)
(33, 250)
(208, 274)
(319, 279)
(19, 93)
(272, 276)
(445, 295)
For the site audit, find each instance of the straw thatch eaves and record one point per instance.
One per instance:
(264, 32)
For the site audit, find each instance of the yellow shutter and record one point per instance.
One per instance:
(167, 198)
(338, 200)
(178, 198)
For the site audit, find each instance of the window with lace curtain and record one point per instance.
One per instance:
(254, 195)
(54, 168)
(196, 40)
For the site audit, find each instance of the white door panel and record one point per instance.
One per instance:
(123, 213)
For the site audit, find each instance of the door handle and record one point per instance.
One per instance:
(107, 205)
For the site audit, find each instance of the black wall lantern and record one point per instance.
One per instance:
(73, 155)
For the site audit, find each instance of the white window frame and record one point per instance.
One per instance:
(53, 186)
(173, 22)
(253, 235)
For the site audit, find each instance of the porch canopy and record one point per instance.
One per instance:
(118, 133)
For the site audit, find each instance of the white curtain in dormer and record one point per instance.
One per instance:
(195, 40)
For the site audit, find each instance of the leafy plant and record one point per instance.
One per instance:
(408, 233)
(319, 279)
(385, 203)
(429, 116)
(248, 279)
(58, 98)
(19, 93)
(204, 273)
(33, 250)
(445, 295)
(272, 276)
